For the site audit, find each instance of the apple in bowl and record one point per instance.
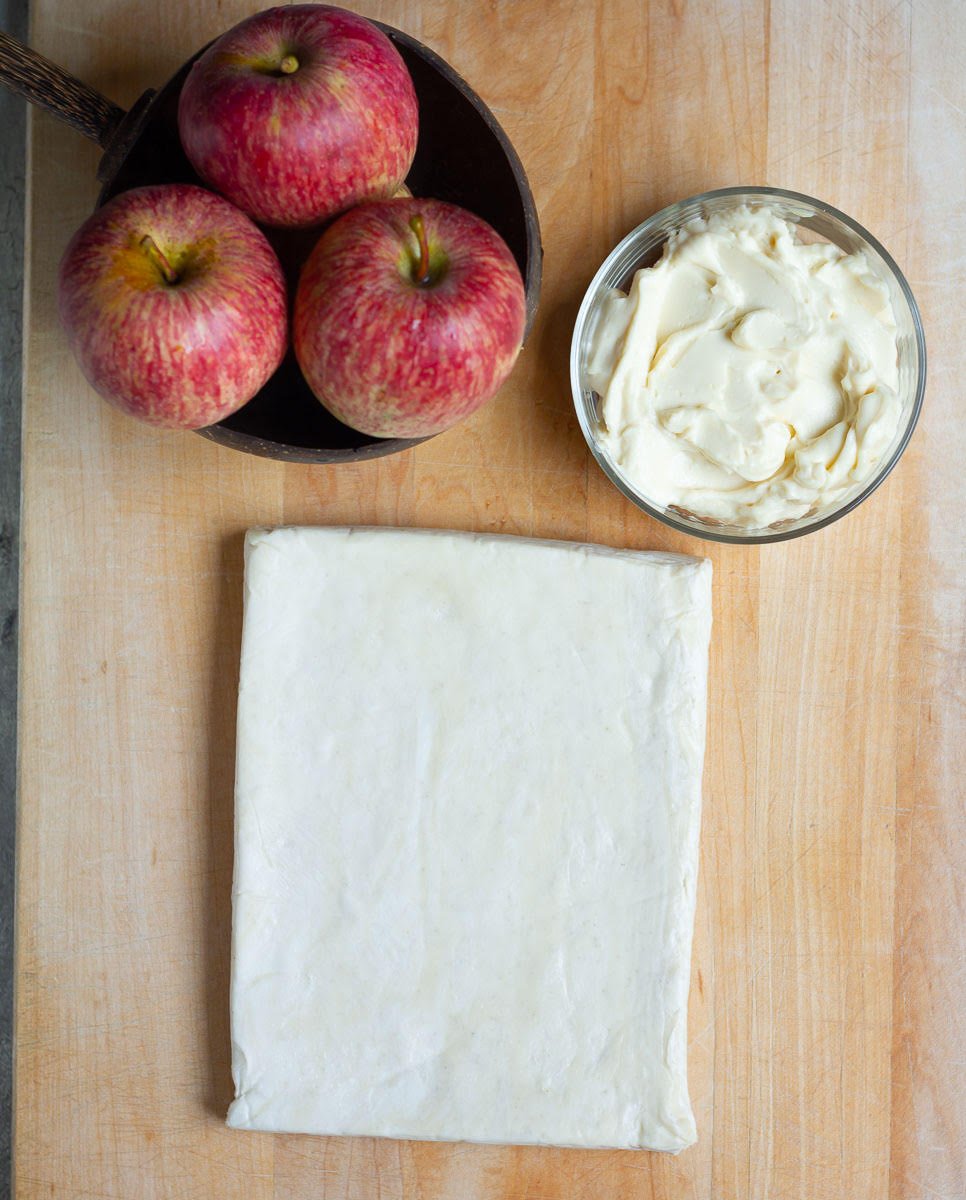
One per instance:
(299, 112)
(409, 316)
(174, 305)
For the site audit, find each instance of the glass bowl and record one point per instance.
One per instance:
(642, 247)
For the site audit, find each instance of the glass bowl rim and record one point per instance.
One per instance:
(754, 537)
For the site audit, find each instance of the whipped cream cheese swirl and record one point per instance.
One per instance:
(748, 377)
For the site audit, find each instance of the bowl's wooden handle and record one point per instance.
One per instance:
(44, 83)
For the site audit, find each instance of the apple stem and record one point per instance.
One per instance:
(153, 251)
(422, 267)
(289, 64)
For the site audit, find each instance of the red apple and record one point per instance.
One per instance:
(409, 316)
(298, 113)
(174, 304)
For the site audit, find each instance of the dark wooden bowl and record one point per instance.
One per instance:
(462, 156)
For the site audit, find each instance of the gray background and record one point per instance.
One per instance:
(13, 124)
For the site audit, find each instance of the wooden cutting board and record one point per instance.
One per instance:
(827, 1007)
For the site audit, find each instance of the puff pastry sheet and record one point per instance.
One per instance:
(466, 833)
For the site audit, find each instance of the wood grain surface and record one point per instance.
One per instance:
(828, 1004)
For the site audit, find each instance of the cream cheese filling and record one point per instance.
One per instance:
(747, 377)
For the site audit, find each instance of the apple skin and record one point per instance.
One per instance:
(295, 149)
(394, 357)
(182, 354)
